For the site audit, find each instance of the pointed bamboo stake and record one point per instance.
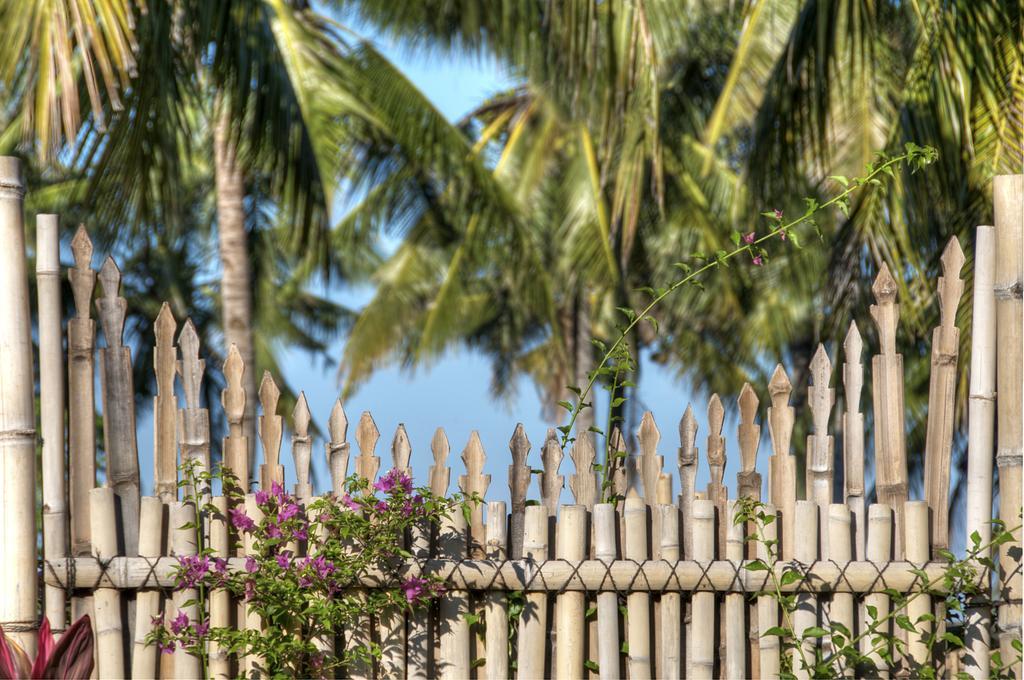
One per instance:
(165, 412)
(81, 405)
(302, 448)
(938, 448)
(687, 476)
(109, 630)
(650, 462)
(270, 430)
(337, 449)
(51, 407)
(853, 437)
(748, 482)
(583, 483)
(440, 473)
(236, 444)
(980, 441)
(1008, 192)
(193, 422)
(495, 602)
(367, 435)
(145, 657)
(550, 481)
(781, 464)
(518, 484)
(17, 420)
(887, 387)
(475, 482)
(820, 445)
(119, 407)
(401, 450)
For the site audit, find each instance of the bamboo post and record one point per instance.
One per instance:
(1008, 191)
(767, 608)
(109, 631)
(840, 550)
(367, 464)
(251, 620)
(421, 633)
(302, 446)
(887, 388)
(17, 421)
(51, 406)
(980, 441)
(165, 443)
(119, 407)
(605, 522)
(781, 464)
(671, 603)
(700, 658)
(853, 436)
(735, 630)
(270, 426)
(81, 407)
(820, 445)
(147, 604)
(183, 542)
(879, 551)
(518, 485)
(220, 599)
(193, 421)
(748, 482)
(454, 662)
(938, 449)
(569, 621)
(236, 444)
(337, 449)
(533, 621)
(687, 476)
(805, 551)
(917, 552)
(475, 482)
(496, 607)
(550, 481)
(638, 604)
(649, 468)
(391, 622)
(717, 491)
(584, 485)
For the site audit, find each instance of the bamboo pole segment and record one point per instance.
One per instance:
(687, 476)
(638, 604)
(700, 658)
(220, 599)
(748, 482)
(605, 522)
(840, 549)
(367, 465)
(584, 482)
(183, 542)
(236, 444)
(820, 445)
(671, 610)
(496, 603)
(781, 464)
(270, 428)
(440, 473)
(650, 462)
(916, 544)
(1008, 192)
(717, 492)
(475, 482)
(51, 406)
(302, 448)
(454, 659)
(391, 622)
(938, 449)
(853, 436)
(81, 405)
(337, 449)
(767, 608)
(569, 621)
(980, 440)
(110, 646)
(17, 421)
(805, 550)
(533, 621)
(550, 481)
(193, 421)
(165, 443)
(879, 550)
(736, 637)
(119, 407)
(887, 389)
(518, 485)
(147, 604)
(251, 663)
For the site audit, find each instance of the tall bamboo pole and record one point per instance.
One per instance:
(980, 442)
(496, 603)
(17, 421)
(569, 620)
(51, 405)
(1008, 193)
(533, 623)
(607, 602)
(110, 645)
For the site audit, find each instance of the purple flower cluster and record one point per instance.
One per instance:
(416, 589)
(193, 570)
(394, 479)
(188, 632)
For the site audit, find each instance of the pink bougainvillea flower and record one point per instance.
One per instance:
(413, 588)
(202, 628)
(778, 214)
(278, 490)
(262, 497)
(250, 590)
(195, 568)
(167, 648)
(782, 234)
(220, 565)
(381, 506)
(250, 564)
(349, 502)
(758, 261)
(242, 521)
(273, 530)
(287, 511)
(179, 623)
(749, 238)
(284, 560)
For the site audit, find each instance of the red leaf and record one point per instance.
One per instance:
(72, 657)
(45, 649)
(14, 662)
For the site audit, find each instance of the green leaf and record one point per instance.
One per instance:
(790, 576)
(591, 665)
(815, 632)
(590, 612)
(952, 639)
(756, 565)
(904, 622)
(841, 179)
(775, 631)
(735, 237)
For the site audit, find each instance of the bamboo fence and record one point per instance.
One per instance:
(650, 586)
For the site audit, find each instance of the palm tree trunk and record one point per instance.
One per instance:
(236, 278)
